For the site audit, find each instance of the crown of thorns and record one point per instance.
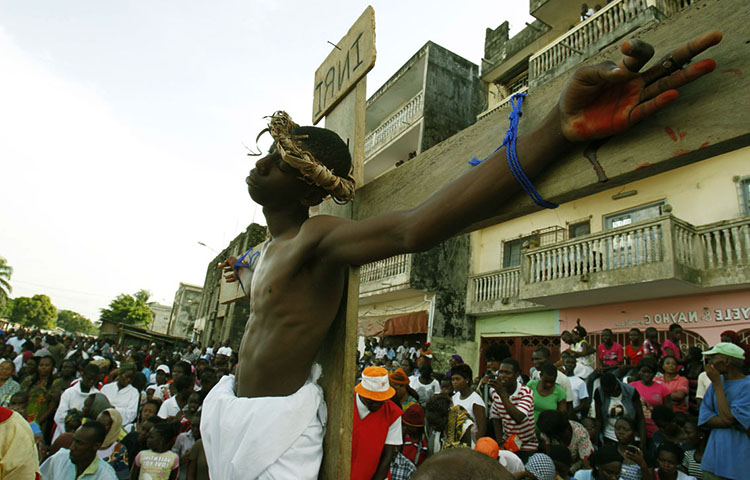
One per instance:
(312, 172)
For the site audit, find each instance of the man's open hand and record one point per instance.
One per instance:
(227, 268)
(605, 99)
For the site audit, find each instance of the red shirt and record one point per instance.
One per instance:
(368, 438)
(633, 354)
(412, 448)
(611, 356)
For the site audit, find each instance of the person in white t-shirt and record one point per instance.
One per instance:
(465, 396)
(581, 400)
(226, 350)
(540, 357)
(425, 385)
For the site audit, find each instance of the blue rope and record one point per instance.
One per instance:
(239, 264)
(509, 142)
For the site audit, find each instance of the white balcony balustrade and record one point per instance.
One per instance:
(393, 126)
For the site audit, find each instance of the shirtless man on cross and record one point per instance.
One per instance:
(270, 423)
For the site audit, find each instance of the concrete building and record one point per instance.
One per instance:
(434, 95)
(184, 311)
(160, 323)
(217, 322)
(653, 225)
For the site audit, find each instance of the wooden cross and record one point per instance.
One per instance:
(340, 97)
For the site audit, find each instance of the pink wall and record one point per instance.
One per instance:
(708, 315)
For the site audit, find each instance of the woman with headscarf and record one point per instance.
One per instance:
(112, 450)
(73, 420)
(95, 404)
(455, 359)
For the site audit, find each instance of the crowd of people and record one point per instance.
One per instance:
(651, 409)
(108, 411)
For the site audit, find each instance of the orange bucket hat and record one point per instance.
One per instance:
(375, 385)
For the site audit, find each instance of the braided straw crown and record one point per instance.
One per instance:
(280, 126)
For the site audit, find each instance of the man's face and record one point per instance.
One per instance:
(569, 364)
(84, 447)
(507, 376)
(274, 181)
(372, 405)
(178, 372)
(538, 359)
(635, 336)
(161, 378)
(68, 369)
(493, 365)
(125, 378)
(88, 380)
(606, 336)
(721, 362)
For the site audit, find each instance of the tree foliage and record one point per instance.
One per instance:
(5, 289)
(75, 322)
(36, 311)
(129, 309)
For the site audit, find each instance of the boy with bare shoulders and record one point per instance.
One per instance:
(270, 421)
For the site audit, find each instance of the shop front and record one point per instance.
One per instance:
(702, 317)
(522, 332)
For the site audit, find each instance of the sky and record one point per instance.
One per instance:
(124, 125)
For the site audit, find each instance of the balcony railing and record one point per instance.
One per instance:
(665, 248)
(504, 104)
(614, 249)
(580, 37)
(382, 269)
(399, 121)
(495, 285)
(724, 245)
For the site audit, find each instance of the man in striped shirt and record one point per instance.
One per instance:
(512, 409)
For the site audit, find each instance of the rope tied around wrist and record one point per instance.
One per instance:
(509, 142)
(312, 172)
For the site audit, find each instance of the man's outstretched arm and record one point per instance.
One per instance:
(598, 101)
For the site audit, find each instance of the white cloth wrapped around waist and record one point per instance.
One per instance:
(264, 437)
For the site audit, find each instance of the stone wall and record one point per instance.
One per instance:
(444, 270)
(453, 95)
(498, 47)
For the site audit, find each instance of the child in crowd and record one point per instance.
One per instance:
(668, 457)
(594, 429)
(185, 442)
(651, 345)
(415, 440)
(695, 444)
(158, 462)
(446, 387)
